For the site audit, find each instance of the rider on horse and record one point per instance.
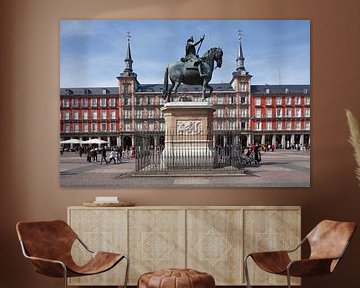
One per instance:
(191, 55)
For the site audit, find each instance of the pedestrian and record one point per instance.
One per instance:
(112, 156)
(103, 155)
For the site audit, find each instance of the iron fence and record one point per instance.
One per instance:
(184, 152)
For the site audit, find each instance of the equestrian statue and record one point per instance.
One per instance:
(192, 69)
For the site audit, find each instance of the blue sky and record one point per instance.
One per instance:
(92, 52)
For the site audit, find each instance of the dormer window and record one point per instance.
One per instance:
(87, 91)
(286, 90)
(105, 91)
(267, 91)
(69, 92)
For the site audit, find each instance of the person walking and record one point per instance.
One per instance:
(103, 155)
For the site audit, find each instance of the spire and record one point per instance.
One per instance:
(128, 60)
(240, 58)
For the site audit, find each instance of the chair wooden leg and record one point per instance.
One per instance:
(246, 272)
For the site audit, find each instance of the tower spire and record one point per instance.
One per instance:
(240, 57)
(128, 60)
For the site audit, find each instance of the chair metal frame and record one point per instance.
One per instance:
(305, 239)
(65, 270)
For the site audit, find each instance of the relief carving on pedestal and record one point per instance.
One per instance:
(192, 127)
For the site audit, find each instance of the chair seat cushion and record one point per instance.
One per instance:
(176, 278)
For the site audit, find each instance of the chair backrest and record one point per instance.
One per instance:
(46, 239)
(329, 239)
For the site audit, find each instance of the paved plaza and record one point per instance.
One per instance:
(282, 168)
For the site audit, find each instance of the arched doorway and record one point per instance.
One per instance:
(127, 142)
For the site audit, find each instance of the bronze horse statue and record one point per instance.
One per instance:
(188, 73)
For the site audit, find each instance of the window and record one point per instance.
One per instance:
(94, 127)
(66, 115)
(113, 114)
(268, 125)
(305, 91)
(94, 115)
(288, 112)
(139, 126)
(231, 112)
(138, 101)
(278, 112)
(232, 125)
(126, 101)
(243, 112)
(103, 115)
(307, 112)
(232, 100)
(103, 127)
(151, 127)
(150, 113)
(267, 91)
(112, 127)
(105, 91)
(66, 128)
(85, 115)
(258, 126)
(127, 114)
(307, 100)
(278, 101)
(268, 101)
(75, 103)
(127, 126)
(288, 100)
(87, 91)
(243, 87)
(298, 112)
(94, 102)
(84, 102)
(149, 100)
(286, 90)
(126, 88)
(298, 125)
(76, 115)
(139, 114)
(220, 113)
(279, 125)
(76, 127)
(307, 125)
(243, 125)
(297, 100)
(65, 103)
(103, 102)
(257, 113)
(162, 126)
(288, 125)
(68, 92)
(268, 113)
(220, 100)
(257, 101)
(85, 127)
(243, 100)
(112, 102)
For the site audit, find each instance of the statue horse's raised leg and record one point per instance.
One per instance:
(206, 86)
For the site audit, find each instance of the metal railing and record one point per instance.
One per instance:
(190, 152)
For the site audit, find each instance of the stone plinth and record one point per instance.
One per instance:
(188, 135)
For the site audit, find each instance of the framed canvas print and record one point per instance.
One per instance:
(185, 103)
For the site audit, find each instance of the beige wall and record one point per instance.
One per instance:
(30, 118)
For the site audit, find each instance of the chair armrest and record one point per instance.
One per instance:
(309, 267)
(48, 267)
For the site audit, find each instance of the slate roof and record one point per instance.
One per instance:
(157, 88)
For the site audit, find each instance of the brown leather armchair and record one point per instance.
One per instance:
(48, 245)
(328, 242)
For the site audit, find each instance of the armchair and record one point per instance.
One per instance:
(328, 242)
(48, 245)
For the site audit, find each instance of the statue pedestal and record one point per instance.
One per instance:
(188, 135)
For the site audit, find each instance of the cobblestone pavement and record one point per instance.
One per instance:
(282, 168)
